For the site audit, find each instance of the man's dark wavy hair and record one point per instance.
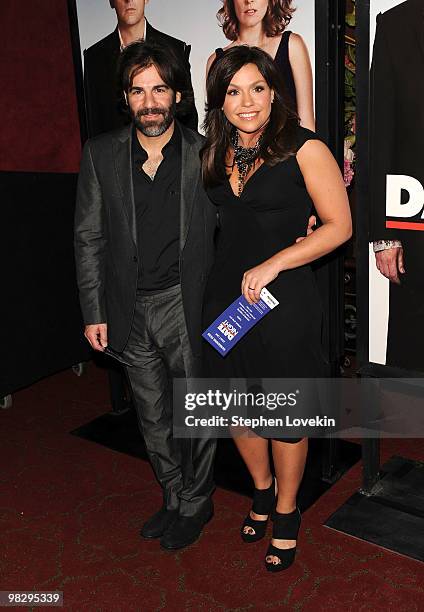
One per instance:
(276, 19)
(280, 135)
(140, 55)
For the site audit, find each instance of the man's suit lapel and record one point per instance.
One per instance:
(112, 56)
(123, 168)
(150, 32)
(153, 35)
(190, 176)
(115, 45)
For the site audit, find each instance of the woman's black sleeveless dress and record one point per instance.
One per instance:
(272, 211)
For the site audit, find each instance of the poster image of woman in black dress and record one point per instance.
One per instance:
(265, 173)
(263, 24)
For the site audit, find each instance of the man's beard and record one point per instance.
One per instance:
(155, 127)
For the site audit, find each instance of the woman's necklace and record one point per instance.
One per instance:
(244, 158)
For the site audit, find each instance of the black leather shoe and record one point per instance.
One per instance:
(184, 531)
(157, 524)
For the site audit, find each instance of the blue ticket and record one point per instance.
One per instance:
(230, 327)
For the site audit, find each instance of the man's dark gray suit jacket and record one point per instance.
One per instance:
(106, 238)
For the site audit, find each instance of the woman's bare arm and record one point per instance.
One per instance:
(302, 74)
(325, 185)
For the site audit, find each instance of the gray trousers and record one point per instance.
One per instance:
(159, 350)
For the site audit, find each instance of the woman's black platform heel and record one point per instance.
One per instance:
(286, 527)
(263, 503)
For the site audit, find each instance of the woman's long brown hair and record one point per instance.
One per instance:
(280, 135)
(276, 19)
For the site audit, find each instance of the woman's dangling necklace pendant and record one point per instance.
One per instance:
(244, 158)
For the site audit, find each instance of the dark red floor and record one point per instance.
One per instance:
(70, 512)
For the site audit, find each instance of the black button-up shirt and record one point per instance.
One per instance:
(157, 204)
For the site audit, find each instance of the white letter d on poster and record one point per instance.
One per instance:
(394, 185)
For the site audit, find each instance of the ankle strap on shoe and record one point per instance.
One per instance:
(263, 499)
(286, 526)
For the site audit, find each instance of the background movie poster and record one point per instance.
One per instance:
(396, 309)
(194, 22)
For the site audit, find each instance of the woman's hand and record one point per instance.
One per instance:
(255, 279)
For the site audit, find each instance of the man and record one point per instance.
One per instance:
(104, 101)
(105, 104)
(144, 244)
(397, 132)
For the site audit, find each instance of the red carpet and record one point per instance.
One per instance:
(70, 512)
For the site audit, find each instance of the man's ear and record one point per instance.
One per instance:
(126, 98)
(178, 97)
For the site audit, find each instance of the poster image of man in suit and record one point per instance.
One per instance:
(103, 99)
(396, 156)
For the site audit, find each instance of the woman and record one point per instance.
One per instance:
(262, 23)
(265, 173)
